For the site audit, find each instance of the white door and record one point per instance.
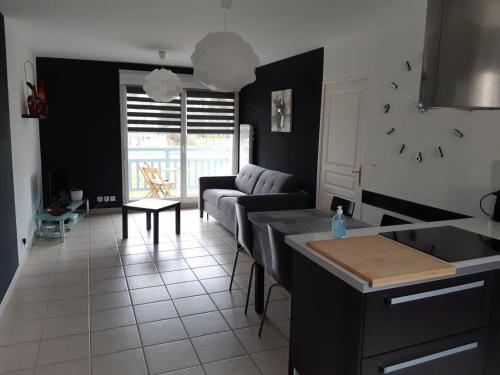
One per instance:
(340, 171)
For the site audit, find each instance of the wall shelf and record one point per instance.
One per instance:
(41, 117)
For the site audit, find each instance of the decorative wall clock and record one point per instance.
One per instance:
(418, 155)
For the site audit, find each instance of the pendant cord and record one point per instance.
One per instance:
(225, 20)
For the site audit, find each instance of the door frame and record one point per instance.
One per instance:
(361, 133)
(124, 142)
(136, 78)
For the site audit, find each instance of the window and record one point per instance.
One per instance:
(189, 137)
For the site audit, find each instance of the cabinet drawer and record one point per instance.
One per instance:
(407, 316)
(495, 303)
(492, 357)
(463, 354)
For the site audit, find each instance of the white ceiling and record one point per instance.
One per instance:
(133, 30)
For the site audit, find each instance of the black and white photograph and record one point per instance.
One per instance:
(281, 111)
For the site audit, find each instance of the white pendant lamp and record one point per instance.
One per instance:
(162, 85)
(224, 61)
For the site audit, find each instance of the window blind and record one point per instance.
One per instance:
(210, 112)
(146, 115)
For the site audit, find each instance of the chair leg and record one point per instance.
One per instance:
(249, 286)
(234, 267)
(265, 308)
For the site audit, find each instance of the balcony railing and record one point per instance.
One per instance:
(201, 161)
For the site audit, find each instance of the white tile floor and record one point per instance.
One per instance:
(102, 305)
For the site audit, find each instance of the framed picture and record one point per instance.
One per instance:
(281, 111)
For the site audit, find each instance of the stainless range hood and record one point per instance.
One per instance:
(461, 67)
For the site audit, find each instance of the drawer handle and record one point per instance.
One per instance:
(434, 293)
(429, 358)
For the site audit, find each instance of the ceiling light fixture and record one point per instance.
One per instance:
(162, 85)
(223, 60)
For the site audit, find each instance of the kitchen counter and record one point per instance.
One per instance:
(341, 325)
(484, 227)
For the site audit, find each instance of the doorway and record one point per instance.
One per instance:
(341, 170)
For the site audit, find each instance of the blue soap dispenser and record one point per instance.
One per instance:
(338, 224)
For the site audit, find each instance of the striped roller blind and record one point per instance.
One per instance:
(144, 114)
(210, 112)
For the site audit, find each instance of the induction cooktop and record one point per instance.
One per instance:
(448, 243)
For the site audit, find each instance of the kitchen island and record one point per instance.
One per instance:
(341, 325)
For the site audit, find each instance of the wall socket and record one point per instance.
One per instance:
(99, 199)
(106, 198)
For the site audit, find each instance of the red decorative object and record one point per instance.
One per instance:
(42, 97)
(37, 99)
(34, 107)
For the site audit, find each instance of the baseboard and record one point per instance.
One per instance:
(11, 288)
(105, 211)
(114, 210)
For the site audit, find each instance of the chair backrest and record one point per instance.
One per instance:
(151, 174)
(243, 229)
(347, 205)
(281, 257)
(392, 220)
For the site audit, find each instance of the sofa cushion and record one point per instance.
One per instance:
(226, 205)
(247, 178)
(214, 195)
(271, 182)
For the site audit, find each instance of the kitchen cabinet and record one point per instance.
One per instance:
(436, 327)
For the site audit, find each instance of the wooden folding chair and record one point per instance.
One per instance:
(158, 186)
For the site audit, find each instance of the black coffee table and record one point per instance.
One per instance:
(149, 206)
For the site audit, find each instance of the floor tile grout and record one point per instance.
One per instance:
(114, 224)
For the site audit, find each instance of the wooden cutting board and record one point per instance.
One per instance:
(381, 261)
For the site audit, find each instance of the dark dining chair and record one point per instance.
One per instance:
(388, 220)
(244, 242)
(281, 266)
(347, 205)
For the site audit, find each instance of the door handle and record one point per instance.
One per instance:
(429, 358)
(434, 293)
(359, 173)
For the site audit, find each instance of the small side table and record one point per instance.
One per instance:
(154, 206)
(44, 216)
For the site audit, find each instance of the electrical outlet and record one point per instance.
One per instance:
(106, 198)
(99, 199)
(112, 198)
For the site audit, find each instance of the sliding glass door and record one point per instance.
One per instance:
(189, 137)
(210, 136)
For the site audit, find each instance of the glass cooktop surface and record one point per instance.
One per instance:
(449, 243)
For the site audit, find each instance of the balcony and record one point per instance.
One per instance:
(200, 161)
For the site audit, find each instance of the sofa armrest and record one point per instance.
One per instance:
(214, 182)
(275, 202)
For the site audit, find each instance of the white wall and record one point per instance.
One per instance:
(454, 183)
(24, 137)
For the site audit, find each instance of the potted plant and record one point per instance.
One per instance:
(76, 194)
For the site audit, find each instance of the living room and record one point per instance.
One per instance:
(185, 291)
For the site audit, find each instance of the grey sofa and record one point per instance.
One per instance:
(255, 188)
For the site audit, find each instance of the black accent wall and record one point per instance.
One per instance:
(81, 141)
(295, 152)
(8, 232)
(409, 208)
